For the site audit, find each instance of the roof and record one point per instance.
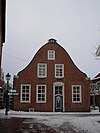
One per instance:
(97, 77)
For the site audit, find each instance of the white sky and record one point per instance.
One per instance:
(75, 24)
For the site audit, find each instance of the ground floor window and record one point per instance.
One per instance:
(25, 93)
(76, 94)
(41, 94)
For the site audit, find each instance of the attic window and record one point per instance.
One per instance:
(52, 41)
(51, 55)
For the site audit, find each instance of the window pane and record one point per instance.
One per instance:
(78, 90)
(43, 90)
(27, 90)
(78, 99)
(74, 95)
(78, 95)
(23, 95)
(27, 87)
(74, 99)
(39, 90)
(23, 91)
(23, 87)
(27, 95)
(39, 99)
(43, 99)
(39, 95)
(27, 98)
(23, 99)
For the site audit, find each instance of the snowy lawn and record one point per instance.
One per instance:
(88, 122)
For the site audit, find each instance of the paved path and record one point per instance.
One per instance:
(21, 125)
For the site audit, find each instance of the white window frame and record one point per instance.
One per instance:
(51, 54)
(40, 101)
(80, 94)
(45, 71)
(21, 98)
(56, 71)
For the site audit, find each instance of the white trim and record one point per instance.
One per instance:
(79, 93)
(53, 58)
(21, 101)
(62, 70)
(58, 84)
(45, 75)
(37, 93)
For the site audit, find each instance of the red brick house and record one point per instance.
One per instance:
(52, 82)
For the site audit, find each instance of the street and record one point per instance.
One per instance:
(21, 125)
(49, 122)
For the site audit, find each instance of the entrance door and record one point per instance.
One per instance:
(58, 103)
(58, 98)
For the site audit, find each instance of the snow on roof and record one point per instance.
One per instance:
(97, 77)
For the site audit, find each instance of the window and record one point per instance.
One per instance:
(59, 70)
(58, 90)
(97, 88)
(42, 70)
(41, 93)
(51, 55)
(25, 93)
(76, 94)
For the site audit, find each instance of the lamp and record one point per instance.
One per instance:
(8, 76)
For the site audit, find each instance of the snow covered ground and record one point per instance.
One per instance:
(88, 122)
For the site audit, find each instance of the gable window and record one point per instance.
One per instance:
(51, 55)
(42, 70)
(41, 93)
(76, 94)
(59, 70)
(25, 93)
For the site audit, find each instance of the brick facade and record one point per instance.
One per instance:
(72, 76)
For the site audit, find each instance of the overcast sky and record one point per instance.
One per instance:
(75, 24)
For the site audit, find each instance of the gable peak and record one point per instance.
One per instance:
(52, 40)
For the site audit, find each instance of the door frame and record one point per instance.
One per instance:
(58, 84)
